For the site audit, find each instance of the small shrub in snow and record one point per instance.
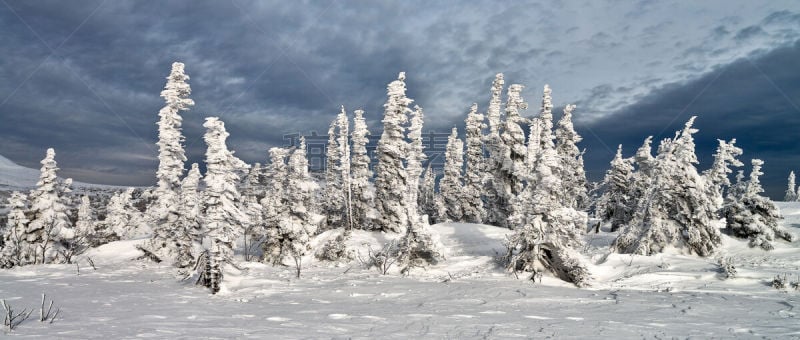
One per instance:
(726, 268)
(419, 247)
(780, 282)
(383, 259)
(13, 319)
(335, 249)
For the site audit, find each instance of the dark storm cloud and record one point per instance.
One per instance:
(753, 100)
(84, 77)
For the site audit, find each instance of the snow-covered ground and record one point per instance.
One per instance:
(466, 296)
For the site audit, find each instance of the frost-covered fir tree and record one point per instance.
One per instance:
(362, 188)
(333, 202)
(451, 186)
(615, 205)
(514, 167)
(572, 174)
(302, 221)
(791, 190)
(251, 194)
(675, 208)
(223, 217)
(391, 182)
(717, 176)
(163, 214)
(50, 230)
(496, 212)
(546, 118)
(547, 233)
(123, 218)
(472, 204)
(84, 226)
(415, 155)
(191, 208)
(345, 167)
(15, 250)
(427, 195)
(275, 208)
(752, 216)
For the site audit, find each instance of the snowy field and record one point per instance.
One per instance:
(467, 296)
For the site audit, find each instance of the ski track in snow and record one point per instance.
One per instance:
(467, 296)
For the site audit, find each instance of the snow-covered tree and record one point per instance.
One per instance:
(415, 155)
(363, 190)
(717, 175)
(345, 167)
(163, 214)
(572, 174)
(791, 191)
(451, 186)
(391, 183)
(223, 216)
(50, 229)
(189, 232)
(752, 216)
(514, 168)
(615, 205)
(275, 208)
(495, 203)
(547, 233)
(333, 204)
(427, 195)
(472, 204)
(123, 218)
(302, 221)
(251, 192)
(675, 208)
(546, 118)
(84, 226)
(15, 250)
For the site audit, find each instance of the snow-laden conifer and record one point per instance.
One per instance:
(791, 190)
(391, 181)
(451, 185)
(123, 218)
(223, 217)
(15, 249)
(615, 205)
(162, 213)
(415, 155)
(472, 204)
(752, 216)
(333, 203)
(345, 167)
(427, 196)
(572, 173)
(50, 229)
(189, 233)
(84, 225)
(493, 186)
(675, 208)
(717, 176)
(362, 188)
(275, 206)
(251, 192)
(547, 234)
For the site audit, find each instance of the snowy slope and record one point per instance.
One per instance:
(467, 296)
(13, 175)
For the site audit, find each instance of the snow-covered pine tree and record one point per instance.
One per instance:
(84, 226)
(752, 216)
(415, 155)
(50, 229)
(162, 214)
(345, 167)
(546, 118)
(15, 251)
(495, 204)
(363, 190)
(333, 203)
(791, 191)
(251, 193)
(717, 175)
(573, 176)
(514, 167)
(391, 181)
(534, 142)
(427, 197)
(123, 218)
(472, 204)
(296, 229)
(450, 186)
(275, 208)
(615, 204)
(675, 209)
(223, 216)
(190, 222)
(547, 233)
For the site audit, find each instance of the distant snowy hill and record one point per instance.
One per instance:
(14, 175)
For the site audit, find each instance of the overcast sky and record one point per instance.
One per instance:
(84, 76)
